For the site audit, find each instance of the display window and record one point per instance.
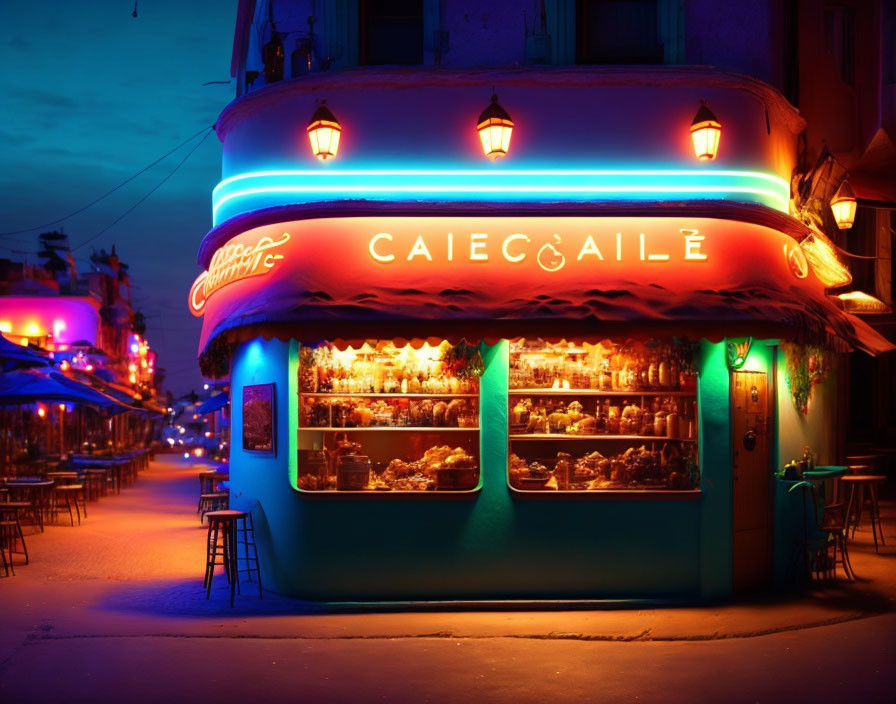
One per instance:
(607, 416)
(388, 418)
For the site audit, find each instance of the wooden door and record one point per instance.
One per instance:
(751, 510)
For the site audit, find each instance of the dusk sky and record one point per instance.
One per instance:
(91, 95)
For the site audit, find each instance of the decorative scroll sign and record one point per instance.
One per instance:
(234, 262)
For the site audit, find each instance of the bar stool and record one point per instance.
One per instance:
(9, 513)
(71, 494)
(246, 538)
(858, 483)
(221, 543)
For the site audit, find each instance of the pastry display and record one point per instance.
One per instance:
(441, 467)
(669, 467)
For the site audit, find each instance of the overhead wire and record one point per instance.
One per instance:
(9, 233)
(153, 190)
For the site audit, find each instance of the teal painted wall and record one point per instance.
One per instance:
(492, 545)
(715, 469)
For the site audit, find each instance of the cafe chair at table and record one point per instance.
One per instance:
(836, 550)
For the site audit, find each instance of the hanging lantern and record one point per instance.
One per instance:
(705, 131)
(323, 131)
(843, 205)
(495, 128)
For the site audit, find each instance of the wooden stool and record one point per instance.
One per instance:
(72, 494)
(858, 483)
(9, 513)
(245, 529)
(221, 543)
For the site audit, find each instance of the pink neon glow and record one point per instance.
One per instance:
(66, 320)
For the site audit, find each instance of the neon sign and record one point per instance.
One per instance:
(233, 262)
(256, 190)
(515, 248)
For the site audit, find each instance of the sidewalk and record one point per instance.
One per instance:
(134, 568)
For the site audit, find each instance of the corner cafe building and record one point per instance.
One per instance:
(454, 378)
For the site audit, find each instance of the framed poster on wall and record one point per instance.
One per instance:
(258, 418)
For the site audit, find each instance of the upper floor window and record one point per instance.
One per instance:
(390, 32)
(839, 36)
(618, 32)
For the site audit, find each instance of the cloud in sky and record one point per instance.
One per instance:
(90, 96)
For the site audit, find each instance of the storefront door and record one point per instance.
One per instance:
(752, 539)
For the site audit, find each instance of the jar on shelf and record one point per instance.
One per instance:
(352, 472)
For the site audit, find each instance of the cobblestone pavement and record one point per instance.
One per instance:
(128, 581)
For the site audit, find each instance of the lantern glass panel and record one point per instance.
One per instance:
(706, 140)
(324, 138)
(844, 212)
(495, 136)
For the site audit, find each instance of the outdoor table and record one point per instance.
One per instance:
(869, 460)
(828, 477)
(63, 477)
(36, 494)
(114, 465)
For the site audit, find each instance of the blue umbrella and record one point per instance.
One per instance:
(13, 356)
(30, 386)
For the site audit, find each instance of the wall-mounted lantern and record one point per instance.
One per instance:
(495, 127)
(323, 131)
(706, 131)
(843, 205)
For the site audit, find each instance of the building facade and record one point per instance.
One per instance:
(531, 300)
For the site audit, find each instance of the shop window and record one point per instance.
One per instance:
(592, 417)
(384, 418)
(618, 32)
(390, 32)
